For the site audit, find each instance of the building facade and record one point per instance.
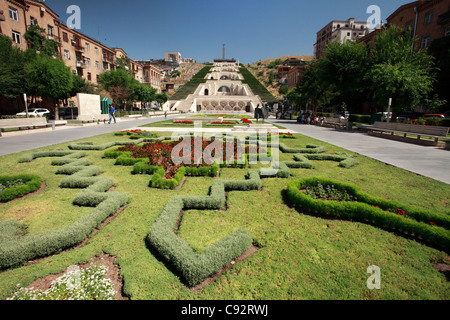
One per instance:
(85, 56)
(339, 31)
(428, 20)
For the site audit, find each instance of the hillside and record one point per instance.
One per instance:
(262, 71)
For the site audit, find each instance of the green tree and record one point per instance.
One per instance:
(312, 89)
(38, 42)
(161, 98)
(119, 84)
(343, 68)
(48, 77)
(12, 74)
(397, 72)
(143, 93)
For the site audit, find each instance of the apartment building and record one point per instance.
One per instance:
(429, 20)
(340, 31)
(295, 75)
(85, 56)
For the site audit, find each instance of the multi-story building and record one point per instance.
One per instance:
(429, 20)
(172, 57)
(339, 31)
(85, 56)
(295, 75)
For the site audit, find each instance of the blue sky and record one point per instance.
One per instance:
(251, 29)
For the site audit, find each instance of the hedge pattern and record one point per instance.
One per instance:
(302, 157)
(194, 267)
(372, 210)
(17, 250)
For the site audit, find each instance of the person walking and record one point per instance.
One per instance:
(112, 112)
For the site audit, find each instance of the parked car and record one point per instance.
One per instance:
(409, 115)
(33, 113)
(447, 114)
(436, 116)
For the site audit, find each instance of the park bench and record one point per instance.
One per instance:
(335, 123)
(23, 123)
(390, 129)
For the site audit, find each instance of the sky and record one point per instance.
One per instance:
(251, 30)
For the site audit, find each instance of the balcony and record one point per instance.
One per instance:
(78, 48)
(81, 64)
(53, 37)
(109, 59)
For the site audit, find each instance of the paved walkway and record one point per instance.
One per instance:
(426, 161)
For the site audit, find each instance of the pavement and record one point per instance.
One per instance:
(427, 161)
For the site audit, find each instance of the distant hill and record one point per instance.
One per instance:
(263, 73)
(306, 58)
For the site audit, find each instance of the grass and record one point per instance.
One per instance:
(300, 256)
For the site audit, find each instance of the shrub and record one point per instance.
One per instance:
(17, 250)
(195, 267)
(12, 187)
(429, 226)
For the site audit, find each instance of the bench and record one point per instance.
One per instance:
(23, 123)
(390, 129)
(335, 123)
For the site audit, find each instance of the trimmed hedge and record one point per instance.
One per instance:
(30, 184)
(365, 210)
(195, 267)
(18, 250)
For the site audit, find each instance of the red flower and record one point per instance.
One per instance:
(434, 224)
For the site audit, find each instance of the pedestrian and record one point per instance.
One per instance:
(165, 114)
(112, 112)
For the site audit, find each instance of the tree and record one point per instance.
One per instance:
(143, 93)
(343, 68)
(37, 41)
(397, 72)
(12, 75)
(48, 77)
(312, 89)
(161, 98)
(118, 83)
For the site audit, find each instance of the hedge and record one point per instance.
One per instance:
(194, 267)
(30, 184)
(18, 250)
(372, 210)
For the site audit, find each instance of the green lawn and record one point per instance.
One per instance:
(300, 256)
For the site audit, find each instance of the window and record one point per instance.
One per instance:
(429, 17)
(88, 62)
(87, 47)
(425, 42)
(409, 25)
(65, 37)
(33, 21)
(96, 50)
(97, 65)
(16, 37)
(50, 30)
(89, 76)
(13, 14)
(66, 55)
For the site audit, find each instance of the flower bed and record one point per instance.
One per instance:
(12, 187)
(183, 121)
(245, 120)
(432, 227)
(136, 134)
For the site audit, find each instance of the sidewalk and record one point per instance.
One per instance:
(431, 162)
